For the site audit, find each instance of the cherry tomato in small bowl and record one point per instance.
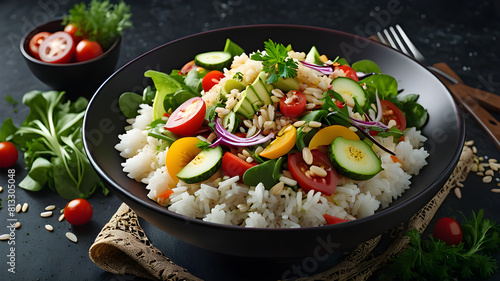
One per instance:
(58, 47)
(294, 105)
(78, 211)
(8, 154)
(73, 30)
(36, 41)
(187, 118)
(87, 50)
(211, 79)
(448, 230)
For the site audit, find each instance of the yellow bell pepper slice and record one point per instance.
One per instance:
(283, 143)
(179, 154)
(326, 135)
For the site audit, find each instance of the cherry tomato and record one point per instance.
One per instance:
(87, 50)
(332, 219)
(298, 168)
(73, 30)
(448, 230)
(392, 112)
(78, 211)
(188, 117)
(348, 72)
(293, 106)
(36, 41)
(59, 47)
(187, 67)
(8, 154)
(233, 165)
(211, 79)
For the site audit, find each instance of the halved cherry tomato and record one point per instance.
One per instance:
(188, 117)
(284, 142)
(87, 50)
(293, 106)
(348, 72)
(8, 154)
(59, 47)
(187, 67)
(73, 30)
(392, 112)
(180, 153)
(232, 165)
(332, 219)
(448, 230)
(298, 168)
(36, 41)
(211, 79)
(78, 211)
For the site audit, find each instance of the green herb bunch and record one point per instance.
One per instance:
(432, 259)
(276, 62)
(101, 21)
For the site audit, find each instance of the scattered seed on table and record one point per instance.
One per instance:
(481, 174)
(459, 184)
(496, 190)
(50, 207)
(1, 188)
(25, 207)
(71, 237)
(492, 160)
(61, 217)
(5, 237)
(46, 214)
(474, 150)
(17, 225)
(458, 193)
(49, 227)
(489, 173)
(487, 179)
(18, 208)
(469, 143)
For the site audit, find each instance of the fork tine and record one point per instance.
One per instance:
(401, 46)
(389, 39)
(382, 38)
(410, 45)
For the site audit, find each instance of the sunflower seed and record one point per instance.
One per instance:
(46, 214)
(5, 236)
(50, 207)
(458, 193)
(25, 207)
(49, 227)
(487, 179)
(71, 237)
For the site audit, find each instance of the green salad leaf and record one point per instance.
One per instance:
(51, 137)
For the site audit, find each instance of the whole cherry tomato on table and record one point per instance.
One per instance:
(87, 50)
(448, 230)
(36, 41)
(59, 47)
(8, 154)
(78, 211)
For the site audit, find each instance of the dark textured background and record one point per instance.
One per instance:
(464, 34)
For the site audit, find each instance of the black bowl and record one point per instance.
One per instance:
(78, 78)
(445, 130)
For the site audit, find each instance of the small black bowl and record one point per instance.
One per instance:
(78, 78)
(445, 132)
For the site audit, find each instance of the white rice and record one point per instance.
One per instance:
(228, 201)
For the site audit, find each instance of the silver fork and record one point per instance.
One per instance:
(397, 39)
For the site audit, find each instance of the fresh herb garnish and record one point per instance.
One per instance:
(101, 21)
(276, 62)
(51, 137)
(11, 100)
(432, 259)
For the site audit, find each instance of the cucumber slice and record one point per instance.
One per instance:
(203, 166)
(231, 122)
(354, 159)
(347, 88)
(213, 60)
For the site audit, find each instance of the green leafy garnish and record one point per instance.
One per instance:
(51, 137)
(101, 21)
(276, 62)
(11, 100)
(432, 259)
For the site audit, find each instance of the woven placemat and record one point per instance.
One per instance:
(122, 246)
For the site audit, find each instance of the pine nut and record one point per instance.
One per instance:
(71, 237)
(459, 184)
(18, 208)
(1, 188)
(307, 156)
(495, 190)
(50, 207)
(61, 217)
(17, 225)
(25, 207)
(314, 124)
(458, 193)
(469, 143)
(4, 237)
(49, 227)
(299, 123)
(489, 173)
(320, 172)
(288, 181)
(487, 179)
(277, 188)
(46, 214)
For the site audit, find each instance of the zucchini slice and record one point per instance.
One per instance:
(354, 159)
(213, 60)
(203, 166)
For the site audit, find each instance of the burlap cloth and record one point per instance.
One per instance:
(122, 247)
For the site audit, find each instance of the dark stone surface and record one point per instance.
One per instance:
(464, 34)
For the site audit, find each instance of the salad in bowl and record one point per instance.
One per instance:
(274, 138)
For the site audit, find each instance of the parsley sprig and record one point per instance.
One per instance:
(100, 21)
(432, 259)
(276, 62)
